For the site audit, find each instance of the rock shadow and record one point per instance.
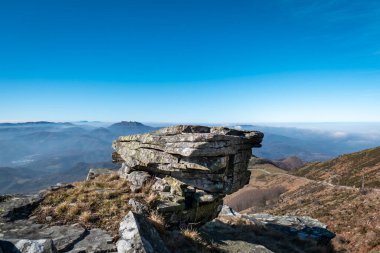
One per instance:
(276, 238)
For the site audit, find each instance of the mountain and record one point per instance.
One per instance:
(351, 170)
(40, 153)
(129, 127)
(50, 147)
(25, 180)
(289, 163)
(36, 123)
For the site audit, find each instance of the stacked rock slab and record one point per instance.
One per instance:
(199, 164)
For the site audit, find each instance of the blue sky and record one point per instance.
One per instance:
(190, 61)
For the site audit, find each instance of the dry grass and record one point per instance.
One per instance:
(356, 169)
(192, 234)
(352, 215)
(157, 220)
(101, 202)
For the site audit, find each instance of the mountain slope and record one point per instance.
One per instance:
(349, 212)
(351, 170)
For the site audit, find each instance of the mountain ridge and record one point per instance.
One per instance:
(359, 169)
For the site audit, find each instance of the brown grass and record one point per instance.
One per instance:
(157, 220)
(98, 203)
(192, 234)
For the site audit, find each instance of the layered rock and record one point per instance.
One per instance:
(195, 166)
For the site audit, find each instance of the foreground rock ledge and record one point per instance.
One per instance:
(195, 167)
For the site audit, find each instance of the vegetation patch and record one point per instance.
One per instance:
(98, 203)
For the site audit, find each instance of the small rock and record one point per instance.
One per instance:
(226, 210)
(93, 173)
(137, 179)
(160, 185)
(36, 246)
(137, 206)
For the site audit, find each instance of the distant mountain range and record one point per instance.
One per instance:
(310, 145)
(36, 154)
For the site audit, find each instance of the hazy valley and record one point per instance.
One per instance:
(39, 154)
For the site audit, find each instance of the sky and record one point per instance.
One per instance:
(188, 61)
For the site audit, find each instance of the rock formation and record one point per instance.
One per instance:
(194, 167)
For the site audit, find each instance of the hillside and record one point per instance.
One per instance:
(350, 170)
(350, 212)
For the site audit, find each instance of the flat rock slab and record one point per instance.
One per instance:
(15, 207)
(65, 238)
(304, 227)
(97, 241)
(256, 233)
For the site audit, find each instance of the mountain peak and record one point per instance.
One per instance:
(128, 124)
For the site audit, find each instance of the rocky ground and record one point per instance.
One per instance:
(167, 197)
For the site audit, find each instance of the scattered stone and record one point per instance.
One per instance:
(138, 235)
(92, 173)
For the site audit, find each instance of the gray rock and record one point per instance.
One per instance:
(303, 227)
(160, 185)
(218, 156)
(14, 207)
(137, 179)
(92, 173)
(96, 240)
(36, 246)
(196, 167)
(137, 207)
(64, 237)
(226, 210)
(137, 235)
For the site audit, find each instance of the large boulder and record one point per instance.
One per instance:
(195, 167)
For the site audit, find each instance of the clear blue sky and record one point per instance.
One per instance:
(190, 61)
